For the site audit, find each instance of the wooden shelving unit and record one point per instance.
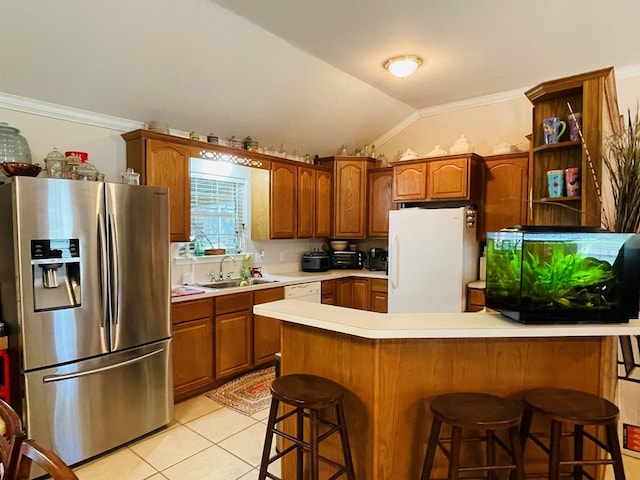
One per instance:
(593, 94)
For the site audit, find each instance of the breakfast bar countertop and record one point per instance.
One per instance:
(373, 325)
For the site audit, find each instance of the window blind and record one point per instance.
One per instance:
(217, 210)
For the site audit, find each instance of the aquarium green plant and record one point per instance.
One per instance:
(549, 275)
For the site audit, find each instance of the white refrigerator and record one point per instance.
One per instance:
(433, 255)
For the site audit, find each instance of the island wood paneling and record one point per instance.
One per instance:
(390, 382)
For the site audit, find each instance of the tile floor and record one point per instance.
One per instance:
(206, 441)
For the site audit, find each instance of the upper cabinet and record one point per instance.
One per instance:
(505, 203)
(164, 162)
(380, 201)
(283, 200)
(452, 177)
(349, 206)
(323, 203)
(593, 94)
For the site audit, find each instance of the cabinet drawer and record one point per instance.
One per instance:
(379, 285)
(268, 295)
(475, 299)
(185, 311)
(233, 303)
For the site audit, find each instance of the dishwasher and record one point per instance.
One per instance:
(307, 292)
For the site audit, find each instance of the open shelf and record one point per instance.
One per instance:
(557, 146)
(577, 198)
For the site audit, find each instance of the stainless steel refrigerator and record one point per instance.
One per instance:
(85, 294)
(433, 254)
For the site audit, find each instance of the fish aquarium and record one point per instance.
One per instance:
(547, 275)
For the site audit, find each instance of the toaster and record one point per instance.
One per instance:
(347, 259)
(315, 262)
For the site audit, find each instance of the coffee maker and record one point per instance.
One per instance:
(378, 259)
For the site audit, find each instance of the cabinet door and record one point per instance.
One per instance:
(329, 292)
(192, 356)
(360, 293)
(380, 202)
(505, 202)
(233, 343)
(266, 331)
(323, 204)
(410, 182)
(379, 300)
(306, 201)
(448, 179)
(350, 199)
(284, 181)
(344, 292)
(167, 165)
(192, 333)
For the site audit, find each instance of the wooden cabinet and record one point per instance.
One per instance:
(410, 181)
(380, 201)
(505, 202)
(475, 299)
(349, 204)
(353, 293)
(266, 331)
(453, 177)
(329, 292)
(379, 295)
(323, 203)
(306, 202)
(233, 334)
(594, 95)
(164, 162)
(192, 333)
(283, 200)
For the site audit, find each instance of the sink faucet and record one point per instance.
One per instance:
(220, 276)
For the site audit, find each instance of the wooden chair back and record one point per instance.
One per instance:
(31, 452)
(10, 440)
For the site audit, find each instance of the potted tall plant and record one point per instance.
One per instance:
(622, 161)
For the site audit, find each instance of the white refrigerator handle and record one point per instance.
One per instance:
(395, 250)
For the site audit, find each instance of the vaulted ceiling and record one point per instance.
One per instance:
(307, 74)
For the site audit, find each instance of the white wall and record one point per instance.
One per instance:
(486, 122)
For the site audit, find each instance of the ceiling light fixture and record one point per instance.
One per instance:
(403, 65)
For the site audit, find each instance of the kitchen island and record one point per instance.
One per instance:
(393, 364)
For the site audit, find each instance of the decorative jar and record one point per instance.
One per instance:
(13, 146)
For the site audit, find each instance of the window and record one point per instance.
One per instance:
(218, 206)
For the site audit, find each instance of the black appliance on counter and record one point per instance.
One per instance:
(378, 259)
(347, 260)
(315, 261)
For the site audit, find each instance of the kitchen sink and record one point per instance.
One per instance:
(235, 283)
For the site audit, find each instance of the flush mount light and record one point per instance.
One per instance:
(403, 65)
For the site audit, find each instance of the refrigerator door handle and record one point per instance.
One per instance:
(395, 248)
(58, 378)
(115, 276)
(104, 273)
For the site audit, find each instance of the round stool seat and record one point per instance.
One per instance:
(571, 406)
(469, 409)
(307, 391)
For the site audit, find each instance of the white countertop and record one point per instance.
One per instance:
(280, 280)
(373, 325)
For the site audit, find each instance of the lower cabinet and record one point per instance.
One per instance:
(361, 293)
(266, 331)
(329, 292)
(192, 332)
(379, 295)
(233, 334)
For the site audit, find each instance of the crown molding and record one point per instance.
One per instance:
(627, 72)
(70, 114)
(473, 102)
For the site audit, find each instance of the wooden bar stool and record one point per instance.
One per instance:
(577, 409)
(480, 412)
(310, 395)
